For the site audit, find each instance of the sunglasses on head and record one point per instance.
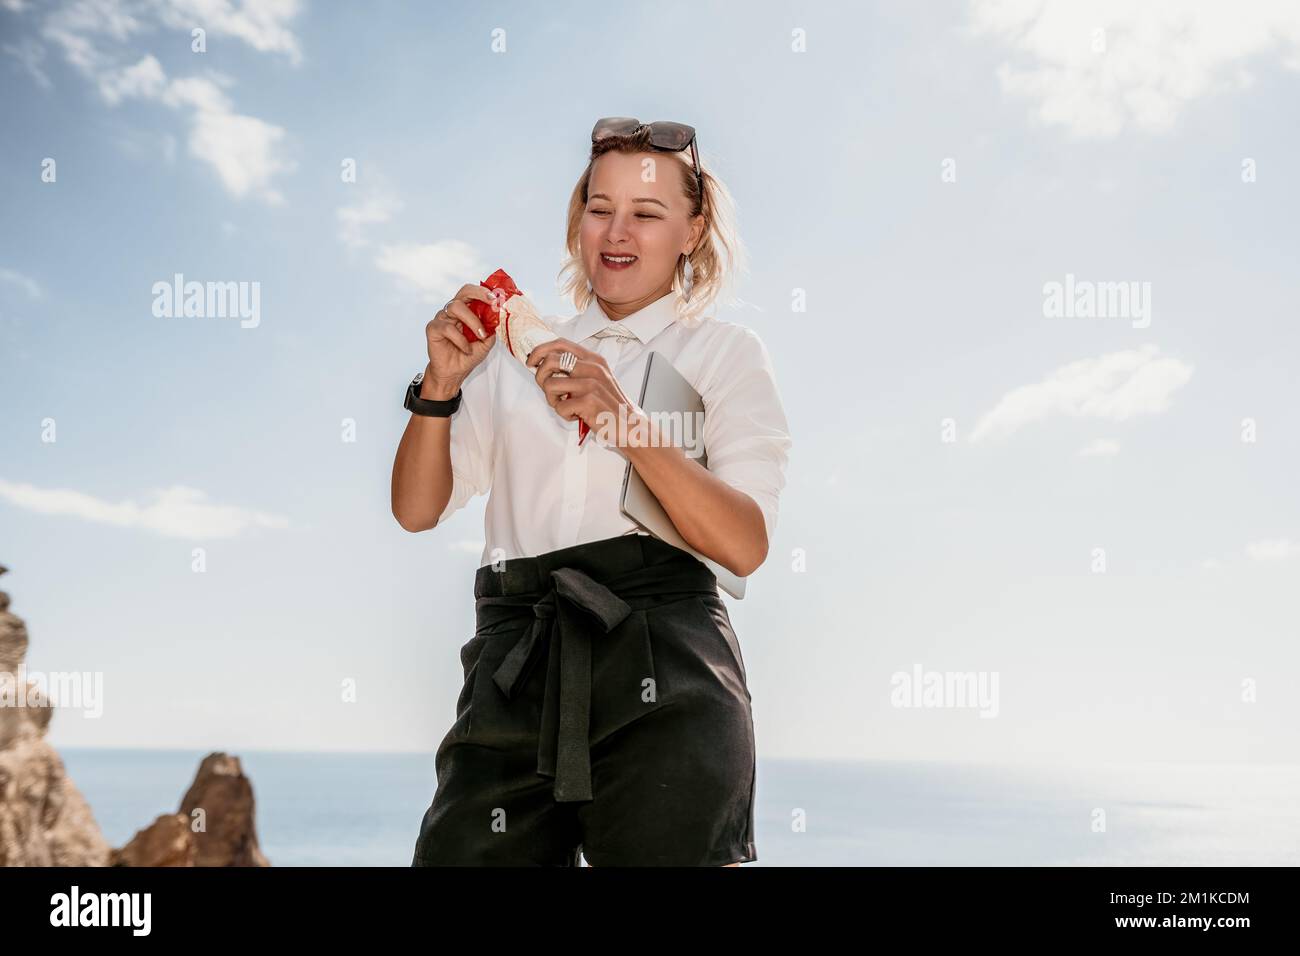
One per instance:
(670, 137)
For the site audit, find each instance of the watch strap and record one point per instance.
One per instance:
(430, 407)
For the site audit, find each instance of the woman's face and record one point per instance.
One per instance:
(635, 208)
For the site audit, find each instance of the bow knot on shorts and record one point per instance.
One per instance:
(604, 712)
(564, 754)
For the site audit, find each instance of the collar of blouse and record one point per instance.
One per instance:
(646, 323)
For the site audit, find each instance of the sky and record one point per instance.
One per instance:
(1026, 271)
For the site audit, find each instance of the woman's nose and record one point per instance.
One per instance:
(618, 227)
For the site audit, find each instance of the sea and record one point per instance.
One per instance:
(355, 809)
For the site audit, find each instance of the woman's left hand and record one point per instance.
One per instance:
(594, 394)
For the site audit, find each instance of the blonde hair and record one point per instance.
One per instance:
(717, 258)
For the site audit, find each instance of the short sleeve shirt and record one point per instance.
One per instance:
(545, 492)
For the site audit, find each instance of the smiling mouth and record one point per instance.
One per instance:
(617, 262)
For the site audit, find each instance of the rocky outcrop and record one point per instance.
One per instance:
(44, 820)
(165, 842)
(213, 827)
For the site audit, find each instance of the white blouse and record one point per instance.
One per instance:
(547, 492)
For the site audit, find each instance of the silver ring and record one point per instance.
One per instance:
(567, 362)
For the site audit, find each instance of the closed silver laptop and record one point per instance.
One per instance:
(678, 410)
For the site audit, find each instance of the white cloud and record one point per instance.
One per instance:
(30, 55)
(1099, 447)
(23, 282)
(262, 24)
(202, 93)
(1158, 56)
(96, 35)
(77, 26)
(353, 219)
(1113, 387)
(1275, 549)
(242, 149)
(176, 512)
(144, 79)
(435, 270)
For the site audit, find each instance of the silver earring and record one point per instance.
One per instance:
(589, 289)
(688, 278)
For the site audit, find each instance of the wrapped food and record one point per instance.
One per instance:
(517, 319)
(502, 287)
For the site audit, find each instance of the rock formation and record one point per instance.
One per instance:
(213, 827)
(44, 820)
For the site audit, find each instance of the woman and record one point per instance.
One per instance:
(632, 744)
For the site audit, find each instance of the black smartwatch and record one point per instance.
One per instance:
(428, 406)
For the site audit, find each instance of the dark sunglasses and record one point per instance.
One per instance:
(671, 137)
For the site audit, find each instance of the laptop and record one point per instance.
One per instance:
(664, 391)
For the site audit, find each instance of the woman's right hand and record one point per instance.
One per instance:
(451, 356)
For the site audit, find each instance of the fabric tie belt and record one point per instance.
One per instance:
(574, 608)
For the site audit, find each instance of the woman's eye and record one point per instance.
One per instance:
(640, 215)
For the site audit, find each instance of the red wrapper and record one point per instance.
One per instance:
(489, 313)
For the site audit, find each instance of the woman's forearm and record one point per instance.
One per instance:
(422, 478)
(717, 520)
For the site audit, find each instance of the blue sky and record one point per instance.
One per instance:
(918, 173)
